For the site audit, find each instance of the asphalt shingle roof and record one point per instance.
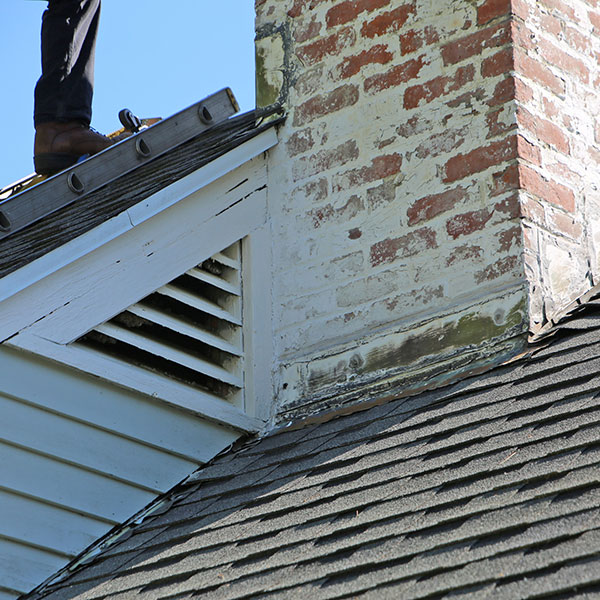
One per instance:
(488, 488)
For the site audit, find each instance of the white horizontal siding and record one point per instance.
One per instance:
(79, 455)
(25, 425)
(68, 485)
(109, 407)
(23, 567)
(47, 526)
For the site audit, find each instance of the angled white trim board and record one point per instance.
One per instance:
(49, 263)
(142, 245)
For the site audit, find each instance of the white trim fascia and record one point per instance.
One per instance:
(44, 266)
(142, 259)
(100, 285)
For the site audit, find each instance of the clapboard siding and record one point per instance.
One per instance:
(71, 486)
(108, 407)
(145, 466)
(21, 565)
(79, 455)
(48, 526)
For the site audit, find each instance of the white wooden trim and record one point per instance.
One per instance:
(101, 284)
(139, 380)
(109, 230)
(258, 328)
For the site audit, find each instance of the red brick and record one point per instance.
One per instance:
(594, 18)
(380, 167)
(491, 9)
(551, 24)
(528, 151)
(561, 6)
(564, 61)
(468, 222)
(520, 8)
(396, 76)
(550, 191)
(325, 159)
(501, 267)
(523, 93)
(509, 206)
(578, 41)
(431, 206)
(509, 238)
(498, 64)
(464, 252)
(299, 142)
(478, 160)
(475, 43)
(503, 92)
(354, 233)
(544, 130)
(504, 181)
(495, 126)
(376, 55)
(523, 37)
(550, 108)
(533, 69)
(467, 99)
(341, 97)
(410, 244)
(314, 53)
(300, 5)
(565, 224)
(348, 11)
(306, 30)
(413, 40)
(437, 87)
(388, 22)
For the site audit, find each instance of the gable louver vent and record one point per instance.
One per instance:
(189, 330)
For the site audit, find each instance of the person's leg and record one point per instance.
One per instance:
(64, 91)
(63, 94)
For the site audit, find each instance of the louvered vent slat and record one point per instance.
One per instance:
(202, 304)
(189, 330)
(231, 287)
(169, 352)
(234, 263)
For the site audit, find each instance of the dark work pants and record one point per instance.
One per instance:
(64, 91)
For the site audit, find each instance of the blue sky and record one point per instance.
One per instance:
(154, 57)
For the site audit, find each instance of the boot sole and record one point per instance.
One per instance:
(50, 163)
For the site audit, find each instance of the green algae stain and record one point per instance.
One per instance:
(269, 78)
(469, 332)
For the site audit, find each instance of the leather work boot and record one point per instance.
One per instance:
(58, 146)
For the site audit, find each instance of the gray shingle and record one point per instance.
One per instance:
(488, 488)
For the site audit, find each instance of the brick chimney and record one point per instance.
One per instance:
(431, 197)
